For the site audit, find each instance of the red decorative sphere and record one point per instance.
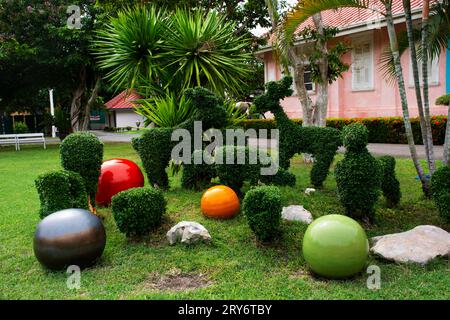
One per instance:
(117, 175)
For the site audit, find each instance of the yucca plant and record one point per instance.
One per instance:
(234, 114)
(130, 48)
(147, 49)
(205, 51)
(167, 111)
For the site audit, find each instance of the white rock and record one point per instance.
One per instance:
(188, 232)
(308, 191)
(297, 213)
(418, 245)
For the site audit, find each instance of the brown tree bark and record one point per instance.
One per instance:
(322, 87)
(87, 109)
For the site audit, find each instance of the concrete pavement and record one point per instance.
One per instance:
(379, 149)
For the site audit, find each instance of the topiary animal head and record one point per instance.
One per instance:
(355, 136)
(275, 91)
(202, 98)
(209, 107)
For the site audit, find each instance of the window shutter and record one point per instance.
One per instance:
(362, 66)
(433, 72)
(270, 73)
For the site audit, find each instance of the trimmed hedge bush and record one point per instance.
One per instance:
(60, 190)
(389, 183)
(197, 176)
(358, 175)
(381, 129)
(138, 210)
(321, 143)
(82, 152)
(281, 178)
(154, 148)
(262, 208)
(234, 174)
(440, 190)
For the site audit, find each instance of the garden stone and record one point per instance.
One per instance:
(418, 245)
(297, 213)
(188, 232)
(308, 191)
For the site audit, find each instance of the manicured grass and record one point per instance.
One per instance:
(236, 265)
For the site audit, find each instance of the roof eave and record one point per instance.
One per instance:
(354, 28)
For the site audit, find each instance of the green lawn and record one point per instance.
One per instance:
(236, 266)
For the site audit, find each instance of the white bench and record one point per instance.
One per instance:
(9, 139)
(29, 138)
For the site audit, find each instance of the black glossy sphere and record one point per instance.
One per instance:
(69, 237)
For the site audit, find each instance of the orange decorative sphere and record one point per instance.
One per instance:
(220, 202)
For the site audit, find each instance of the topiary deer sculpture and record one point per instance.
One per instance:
(321, 143)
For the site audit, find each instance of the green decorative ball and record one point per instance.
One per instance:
(335, 246)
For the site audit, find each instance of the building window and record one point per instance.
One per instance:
(362, 64)
(270, 72)
(307, 76)
(433, 72)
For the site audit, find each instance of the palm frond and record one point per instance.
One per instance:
(386, 64)
(438, 30)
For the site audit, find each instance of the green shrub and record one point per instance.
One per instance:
(20, 127)
(61, 121)
(138, 210)
(262, 208)
(389, 183)
(232, 173)
(358, 175)
(60, 190)
(443, 100)
(166, 112)
(197, 176)
(82, 152)
(321, 143)
(154, 148)
(440, 190)
(381, 129)
(281, 178)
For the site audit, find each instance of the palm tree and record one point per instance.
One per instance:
(428, 138)
(307, 8)
(424, 124)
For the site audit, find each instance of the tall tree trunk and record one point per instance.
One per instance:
(426, 98)
(77, 95)
(401, 86)
(415, 69)
(322, 86)
(299, 65)
(89, 104)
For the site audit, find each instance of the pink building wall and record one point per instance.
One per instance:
(383, 100)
